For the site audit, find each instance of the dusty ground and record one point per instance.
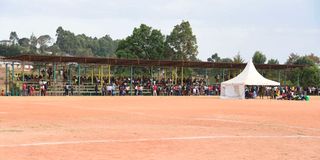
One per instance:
(166, 128)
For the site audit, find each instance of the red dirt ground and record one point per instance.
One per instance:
(158, 128)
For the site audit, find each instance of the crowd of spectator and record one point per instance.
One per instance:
(35, 84)
(281, 93)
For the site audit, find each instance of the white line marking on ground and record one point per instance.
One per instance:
(256, 123)
(202, 119)
(156, 139)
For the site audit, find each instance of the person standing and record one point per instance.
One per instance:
(96, 89)
(24, 89)
(155, 88)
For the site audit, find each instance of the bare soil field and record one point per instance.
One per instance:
(158, 128)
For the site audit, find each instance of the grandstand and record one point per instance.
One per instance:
(58, 71)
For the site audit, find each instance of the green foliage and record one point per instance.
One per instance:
(273, 61)
(259, 58)
(226, 60)
(305, 60)
(214, 58)
(144, 43)
(54, 49)
(24, 42)
(292, 58)
(82, 45)
(43, 41)
(310, 76)
(33, 43)
(14, 37)
(307, 76)
(182, 42)
(238, 59)
(9, 50)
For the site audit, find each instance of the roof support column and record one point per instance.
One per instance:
(54, 77)
(22, 67)
(12, 79)
(222, 75)
(92, 73)
(54, 72)
(109, 78)
(7, 78)
(285, 77)
(69, 74)
(159, 70)
(176, 75)
(101, 75)
(165, 74)
(207, 77)
(298, 79)
(79, 79)
(151, 72)
(45, 72)
(279, 76)
(172, 74)
(39, 70)
(131, 75)
(181, 75)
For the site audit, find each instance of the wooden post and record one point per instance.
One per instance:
(92, 74)
(176, 75)
(7, 78)
(12, 79)
(181, 75)
(22, 67)
(131, 71)
(109, 80)
(79, 79)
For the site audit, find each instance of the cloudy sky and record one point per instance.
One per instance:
(275, 27)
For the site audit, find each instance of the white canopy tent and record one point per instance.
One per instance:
(235, 88)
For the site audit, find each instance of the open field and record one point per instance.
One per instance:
(166, 128)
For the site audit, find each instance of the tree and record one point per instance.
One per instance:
(107, 46)
(259, 58)
(43, 41)
(54, 49)
(314, 58)
(307, 76)
(214, 58)
(24, 42)
(82, 45)
(226, 60)
(33, 44)
(182, 42)
(238, 59)
(292, 58)
(273, 61)
(9, 50)
(144, 43)
(66, 41)
(14, 38)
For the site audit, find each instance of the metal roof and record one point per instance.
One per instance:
(138, 62)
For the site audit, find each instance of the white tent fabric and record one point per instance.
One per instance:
(235, 88)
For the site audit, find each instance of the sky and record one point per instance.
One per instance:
(227, 27)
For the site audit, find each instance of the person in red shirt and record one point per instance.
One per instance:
(155, 88)
(24, 89)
